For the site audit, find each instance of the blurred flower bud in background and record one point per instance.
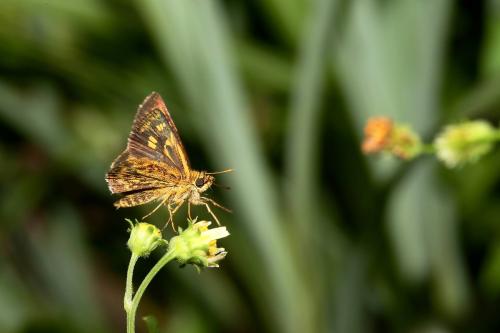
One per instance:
(464, 143)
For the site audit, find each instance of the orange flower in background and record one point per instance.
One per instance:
(378, 132)
(382, 134)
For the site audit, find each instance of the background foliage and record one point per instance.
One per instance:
(323, 239)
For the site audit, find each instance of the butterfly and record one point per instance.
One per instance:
(155, 166)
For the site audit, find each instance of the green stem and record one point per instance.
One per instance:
(127, 299)
(167, 257)
(428, 149)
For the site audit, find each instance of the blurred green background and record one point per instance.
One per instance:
(323, 239)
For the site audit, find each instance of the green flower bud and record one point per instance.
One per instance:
(144, 238)
(464, 143)
(197, 245)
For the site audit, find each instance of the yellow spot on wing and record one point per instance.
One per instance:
(152, 142)
(160, 127)
(167, 152)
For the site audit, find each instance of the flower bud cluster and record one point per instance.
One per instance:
(196, 245)
(456, 145)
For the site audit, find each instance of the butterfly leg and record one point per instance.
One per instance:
(216, 204)
(172, 212)
(156, 208)
(189, 210)
(211, 213)
(170, 218)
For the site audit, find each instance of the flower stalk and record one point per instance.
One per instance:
(134, 304)
(127, 299)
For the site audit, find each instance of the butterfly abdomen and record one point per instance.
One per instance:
(139, 198)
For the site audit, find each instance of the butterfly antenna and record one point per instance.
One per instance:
(219, 172)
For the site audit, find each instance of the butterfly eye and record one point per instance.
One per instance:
(200, 182)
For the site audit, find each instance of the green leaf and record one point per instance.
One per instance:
(423, 229)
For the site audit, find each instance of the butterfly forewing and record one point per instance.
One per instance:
(155, 157)
(154, 136)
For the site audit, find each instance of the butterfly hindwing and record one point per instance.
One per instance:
(129, 173)
(154, 136)
(139, 198)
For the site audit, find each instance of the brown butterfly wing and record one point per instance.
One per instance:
(155, 157)
(155, 136)
(128, 174)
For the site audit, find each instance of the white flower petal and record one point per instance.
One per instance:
(215, 233)
(214, 259)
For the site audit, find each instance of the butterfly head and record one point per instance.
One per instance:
(203, 181)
